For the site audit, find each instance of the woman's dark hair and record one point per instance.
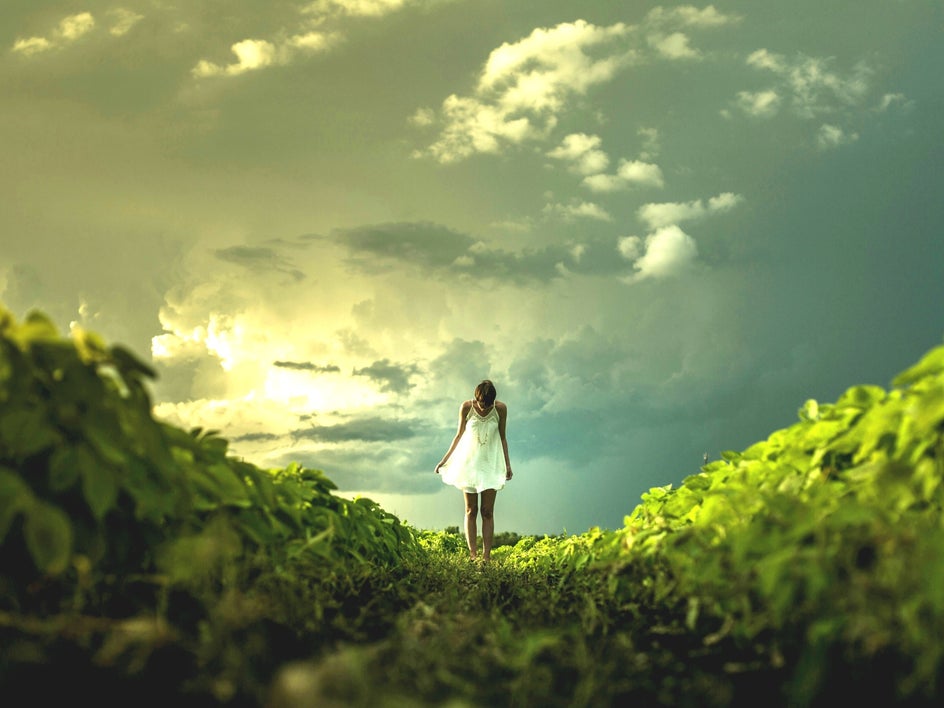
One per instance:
(485, 392)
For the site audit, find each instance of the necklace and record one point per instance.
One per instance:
(481, 432)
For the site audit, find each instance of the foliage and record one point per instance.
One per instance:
(138, 559)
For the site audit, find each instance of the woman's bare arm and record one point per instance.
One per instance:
(463, 412)
(502, 420)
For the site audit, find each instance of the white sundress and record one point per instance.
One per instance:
(478, 461)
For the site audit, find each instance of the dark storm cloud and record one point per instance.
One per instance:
(259, 258)
(359, 430)
(388, 376)
(256, 437)
(308, 366)
(423, 244)
(437, 249)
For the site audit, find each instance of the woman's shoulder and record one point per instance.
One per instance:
(501, 407)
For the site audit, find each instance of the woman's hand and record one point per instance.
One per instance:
(508, 474)
(438, 467)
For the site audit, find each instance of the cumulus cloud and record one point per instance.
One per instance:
(666, 252)
(255, 54)
(582, 153)
(673, 46)
(761, 104)
(630, 173)
(525, 85)
(69, 29)
(657, 215)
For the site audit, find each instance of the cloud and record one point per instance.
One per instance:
(650, 143)
(69, 29)
(525, 85)
(666, 252)
(122, 21)
(690, 16)
(895, 100)
(437, 251)
(832, 136)
(255, 54)
(308, 37)
(369, 429)
(673, 46)
(582, 152)
(677, 45)
(810, 83)
(389, 377)
(657, 215)
(308, 366)
(357, 8)
(425, 245)
(761, 104)
(630, 173)
(259, 259)
(578, 210)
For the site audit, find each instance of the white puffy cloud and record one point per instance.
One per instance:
(524, 86)
(657, 215)
(68, 30)
(582, 152)
(667, 252)
(676, 45)
(761, 104)
(254, 54)
(630, 173)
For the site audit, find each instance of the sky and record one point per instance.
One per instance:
(659, 228)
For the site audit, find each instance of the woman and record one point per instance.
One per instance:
(477, 462)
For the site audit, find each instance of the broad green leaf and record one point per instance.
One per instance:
(64, 468)
(99, 485)
(25, 432)
(48, 535)
(231, 489)
(15, 496)
(931, 364)
(105, 437)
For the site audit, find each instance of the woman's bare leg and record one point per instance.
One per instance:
(488, 521)
(471, 530)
